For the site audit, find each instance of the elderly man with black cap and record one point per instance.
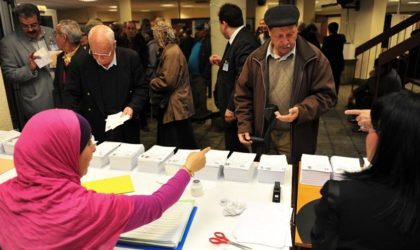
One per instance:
(292, 74)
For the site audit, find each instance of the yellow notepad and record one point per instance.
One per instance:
(6, 163)
(113, 185)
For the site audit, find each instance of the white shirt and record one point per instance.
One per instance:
(113, 62)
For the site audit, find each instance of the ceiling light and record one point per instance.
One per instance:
(413, 2)
(112, 10)
(145, 10)
(88, 0)
(188, 6)
(168, 5)
(113, 7)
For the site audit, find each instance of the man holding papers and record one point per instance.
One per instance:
(105, 81)
(46, 201)
(30, 82)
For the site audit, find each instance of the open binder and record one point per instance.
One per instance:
(168, 232)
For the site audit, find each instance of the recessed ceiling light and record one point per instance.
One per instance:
(112, 10)
(145, 10)
(167, 5)
(412, 2)
(188, 6)
(113, 7)
(88, 0)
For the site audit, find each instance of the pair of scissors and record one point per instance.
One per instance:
(220, 238)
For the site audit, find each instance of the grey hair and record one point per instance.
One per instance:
(104, 31)
(71, 29)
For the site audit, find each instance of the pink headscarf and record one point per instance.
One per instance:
(45, 207)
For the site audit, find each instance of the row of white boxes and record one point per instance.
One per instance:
(158, 159)
(317, 169)
(8, 140)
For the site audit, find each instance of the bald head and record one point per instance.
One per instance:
(102, 44)
(101, 33)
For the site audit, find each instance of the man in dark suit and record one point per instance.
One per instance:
(332, 48)
(105, 81)
(241, 43)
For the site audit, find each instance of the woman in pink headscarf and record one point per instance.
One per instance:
(45, 207)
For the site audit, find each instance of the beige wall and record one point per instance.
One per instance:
(5, 120)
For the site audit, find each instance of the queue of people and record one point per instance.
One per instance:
(123, 69)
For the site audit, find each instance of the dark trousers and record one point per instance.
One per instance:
(199, 89)
(176, 133)
(337, 76)
(129, 132)
(232, 142)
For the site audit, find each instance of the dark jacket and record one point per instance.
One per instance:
(235, 55)
(348, 217)
(60, 79)
(83, 91)
(332, 48)
(313, 93)
(205, 53)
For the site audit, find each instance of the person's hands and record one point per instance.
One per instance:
(31, 61)
(362, 118)
(215, 59)
(229, 116)
(196, 161)
(290, 117)
(128, 111)
(245, 138)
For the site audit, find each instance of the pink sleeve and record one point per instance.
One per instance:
(148, 208)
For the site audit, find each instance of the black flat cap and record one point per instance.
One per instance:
(281, 15)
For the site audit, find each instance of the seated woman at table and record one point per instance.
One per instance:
(378, 208)
(45, 207)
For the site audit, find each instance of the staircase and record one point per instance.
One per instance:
(397, 47)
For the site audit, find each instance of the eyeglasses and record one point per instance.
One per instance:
(100, 54)
(29, 26)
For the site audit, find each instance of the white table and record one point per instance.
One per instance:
(209, 217)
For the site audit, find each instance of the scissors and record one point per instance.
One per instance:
(220, 238)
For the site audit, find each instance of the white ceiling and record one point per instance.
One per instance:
(156, 5)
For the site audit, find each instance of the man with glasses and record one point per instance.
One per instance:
(29, 87)
(104, 81)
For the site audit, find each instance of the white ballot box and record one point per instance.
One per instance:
(239, 167)
(215, 161)
(315, 169)
(125, 156)
(152, 161)
(101, 156)
(272, 168)
(341, 164)
(177, 160)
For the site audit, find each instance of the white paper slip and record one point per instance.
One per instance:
(152, 161)
(177, 160)
(272, 168)
(9, 146)
(239, 167)
(167, 231)
(215, 161)
(101, 156)
(315, 169)
(366, 162)
(125, 156)
(341, 164)
(44, 57)
(115, 120)
(265, 224)
(7, 136)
